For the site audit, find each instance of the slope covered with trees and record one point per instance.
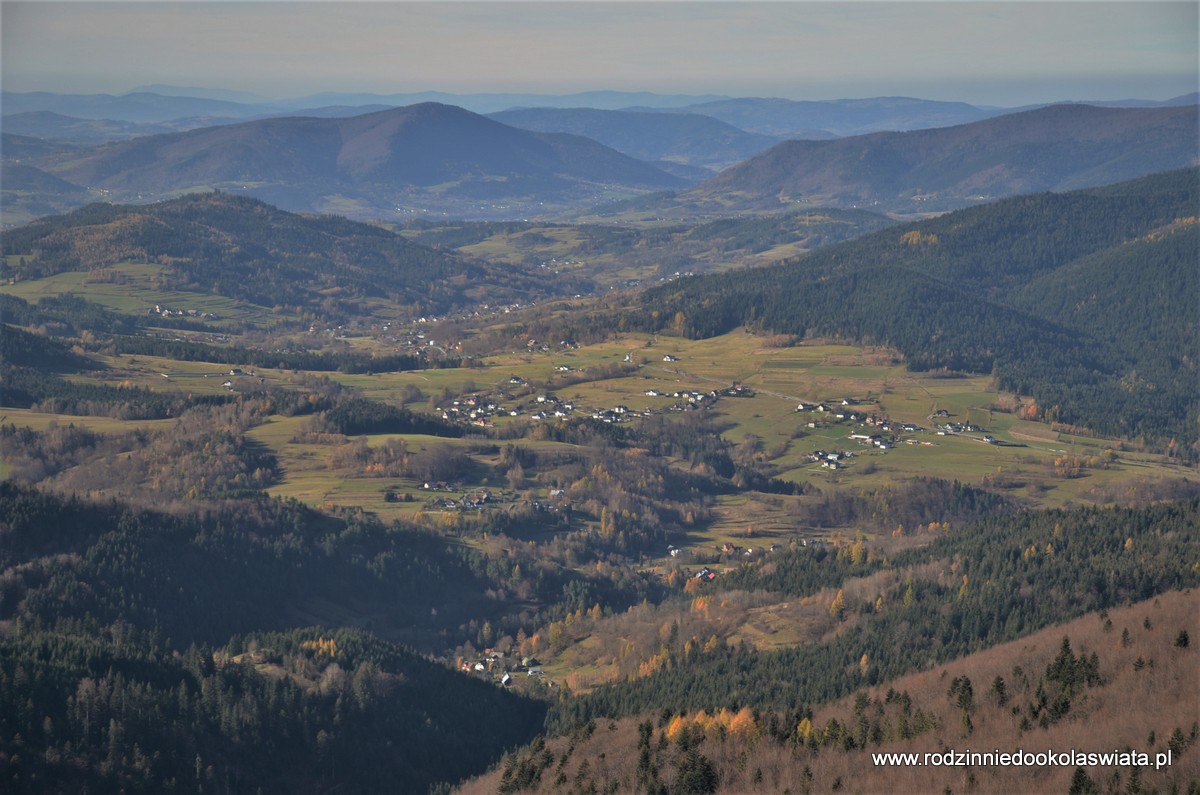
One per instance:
(112, 708)
(981, 584)
(1081, 300)
(1060, 147)
(1088, 685)
(242, 248)
(425, 155)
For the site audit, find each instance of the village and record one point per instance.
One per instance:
(517, 398)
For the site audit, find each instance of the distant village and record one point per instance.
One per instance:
(499, 667)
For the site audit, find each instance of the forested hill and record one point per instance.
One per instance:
(1055, 148)
(151, 652)
(242, 248)
(982, 584)
(367, 165)
(1085, 300)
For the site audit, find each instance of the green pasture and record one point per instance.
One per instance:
(129, 288)
(545, 241)
(306, 475)
(1020, 464)
(162, 374)
(39, 421)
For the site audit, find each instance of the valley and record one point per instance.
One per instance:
(686, 459)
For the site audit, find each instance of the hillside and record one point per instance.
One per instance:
(417, 158)
(688, 138)
(1039, 693)
(242, 248)
(995, 289)
(120, 711)
(641, 251)
(1054, 148)
(80, 132)
(28, 192)
(22, 147)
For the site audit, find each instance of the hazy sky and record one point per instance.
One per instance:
(1007, 53)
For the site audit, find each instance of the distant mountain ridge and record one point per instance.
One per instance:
(1061, 147)
(160, 103)
(432, 159)
(426, 155)
(141, 107)
(678, 137)
(816, 120)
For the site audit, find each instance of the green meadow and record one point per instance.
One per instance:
(1020, 461)
(134, 289)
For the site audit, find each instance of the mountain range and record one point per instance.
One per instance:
(1075, 298)
(162, 103)
(1060, 147)
(689, 138)
(430, 155)
(440, 160)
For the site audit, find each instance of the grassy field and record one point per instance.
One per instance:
(134, 289)
(38, 421)
(1021, 462)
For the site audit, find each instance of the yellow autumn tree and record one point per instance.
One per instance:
(838, 606)
(742, 724)
(677, 725)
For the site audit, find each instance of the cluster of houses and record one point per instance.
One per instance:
(482, 412)
(945, 427)
(496, 666)
(948, 428)
(166, 311)
(880, 432)
(727, 549)
(830, 459)
(733, 550)
(468, 501)
(689, 399)
(473, 410)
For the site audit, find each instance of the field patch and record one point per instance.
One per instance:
(135, 289)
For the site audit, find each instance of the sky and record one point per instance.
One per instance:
(1003, 54)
